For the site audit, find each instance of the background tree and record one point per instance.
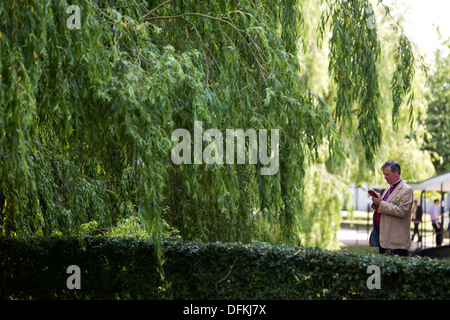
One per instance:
(437, 117)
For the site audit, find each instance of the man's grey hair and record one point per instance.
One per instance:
(392, 165)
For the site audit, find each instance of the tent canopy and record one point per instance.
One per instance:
(438, 183)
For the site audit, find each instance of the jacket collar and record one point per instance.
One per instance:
(396, 190)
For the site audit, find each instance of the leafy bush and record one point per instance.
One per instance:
(125, 268)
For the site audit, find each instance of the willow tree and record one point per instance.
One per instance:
(87, 114)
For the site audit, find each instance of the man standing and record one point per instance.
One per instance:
(417, 219)
(393, 212)
(435, 221)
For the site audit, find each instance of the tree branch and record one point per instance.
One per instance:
(156, 8)
(194, 14)
(240, 31)
(226, 276)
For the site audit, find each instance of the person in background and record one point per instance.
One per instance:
(417, 219)
(435, 221)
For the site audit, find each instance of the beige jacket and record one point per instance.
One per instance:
(395, 221)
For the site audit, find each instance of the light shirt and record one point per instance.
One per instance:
(434, 213)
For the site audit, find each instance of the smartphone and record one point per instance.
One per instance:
(372, 193)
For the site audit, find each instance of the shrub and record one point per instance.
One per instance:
(125, 268)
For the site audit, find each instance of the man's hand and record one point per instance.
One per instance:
(377, 200)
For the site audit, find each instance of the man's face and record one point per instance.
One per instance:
(391, 177)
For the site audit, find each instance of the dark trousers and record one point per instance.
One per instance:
(439, 234)
(416, 231)
(393, 252)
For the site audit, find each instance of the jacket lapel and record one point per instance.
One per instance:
(384, 193)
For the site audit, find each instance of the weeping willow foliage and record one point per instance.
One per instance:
(86, 116)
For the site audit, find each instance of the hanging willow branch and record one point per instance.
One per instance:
(86, 116)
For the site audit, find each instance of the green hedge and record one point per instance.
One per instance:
(125, 268)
